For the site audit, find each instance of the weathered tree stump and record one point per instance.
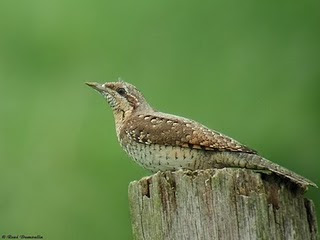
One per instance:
(219, 204)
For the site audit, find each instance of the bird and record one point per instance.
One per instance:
(164, 142)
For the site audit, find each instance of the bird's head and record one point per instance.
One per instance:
(122, 97)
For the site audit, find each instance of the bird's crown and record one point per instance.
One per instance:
(120, 95)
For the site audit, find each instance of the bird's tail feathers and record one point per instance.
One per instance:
(253, 161)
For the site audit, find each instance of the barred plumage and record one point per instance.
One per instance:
(160, 142)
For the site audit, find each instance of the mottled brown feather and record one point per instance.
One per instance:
(165, 129)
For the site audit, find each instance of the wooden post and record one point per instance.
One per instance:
(219, 204)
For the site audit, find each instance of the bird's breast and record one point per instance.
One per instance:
(155, 157)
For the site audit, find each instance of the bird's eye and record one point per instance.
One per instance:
(121, 91)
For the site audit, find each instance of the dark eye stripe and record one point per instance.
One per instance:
(121, 91)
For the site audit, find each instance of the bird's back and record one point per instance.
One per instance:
(161, 142)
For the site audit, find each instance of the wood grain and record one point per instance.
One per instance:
(219, 204)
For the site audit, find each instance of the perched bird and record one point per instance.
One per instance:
(160, 142)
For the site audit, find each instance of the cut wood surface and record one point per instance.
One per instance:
(219, 204)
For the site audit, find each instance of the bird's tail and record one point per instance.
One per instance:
(253, 161)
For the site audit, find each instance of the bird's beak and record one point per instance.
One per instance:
(97, 86)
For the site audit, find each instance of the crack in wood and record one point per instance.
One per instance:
(220, 204)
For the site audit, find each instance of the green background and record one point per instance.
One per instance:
(250, 69)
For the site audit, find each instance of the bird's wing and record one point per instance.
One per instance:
(165, 129)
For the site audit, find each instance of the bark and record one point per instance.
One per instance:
(219, 204)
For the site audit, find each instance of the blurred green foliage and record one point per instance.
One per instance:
(250, 69)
